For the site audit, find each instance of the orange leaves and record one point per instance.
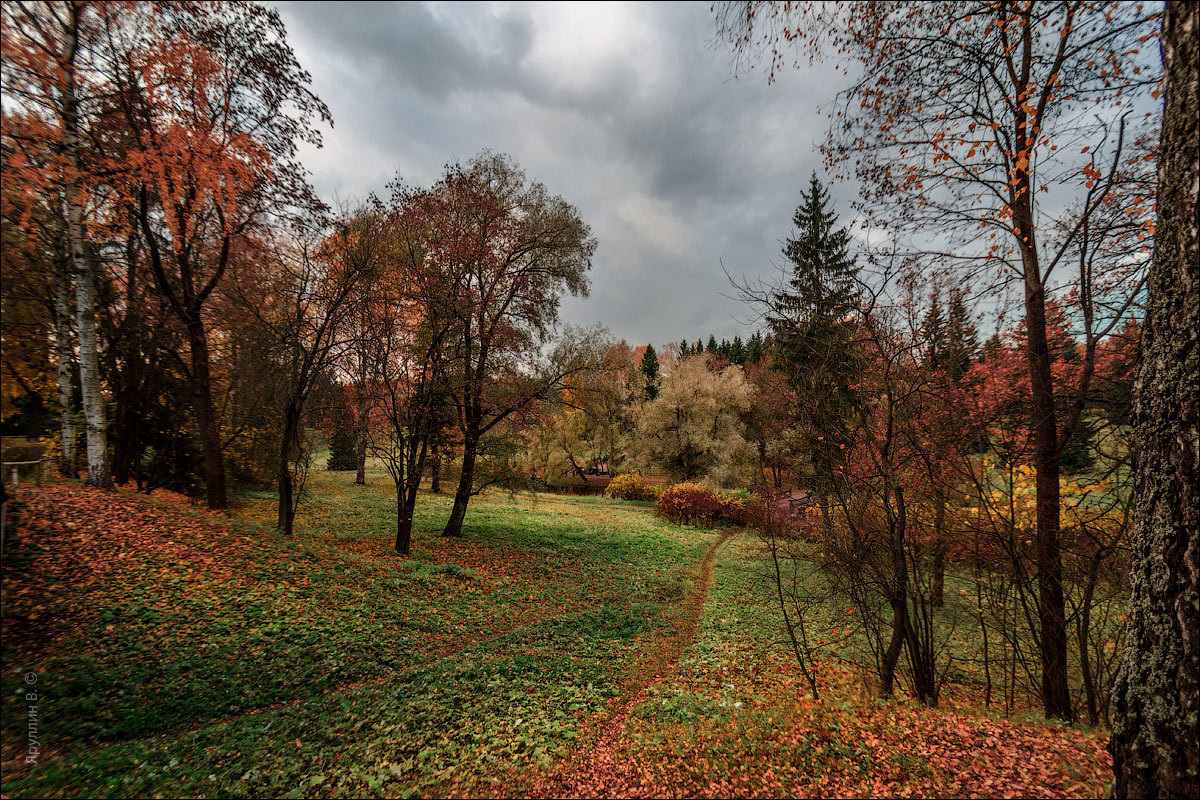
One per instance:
(1147, 230)
(193, 152)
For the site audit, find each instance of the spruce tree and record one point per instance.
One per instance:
(737, 351)
(343, 455)
(813, 334)
(754, 349)
(650, 372)
(712, 344)
(962, 343)
(823, 271)
(933, 329)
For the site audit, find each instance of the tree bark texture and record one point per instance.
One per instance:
(1156, 726)
(63, 348)
(206, 416)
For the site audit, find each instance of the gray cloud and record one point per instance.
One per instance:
(627, 111)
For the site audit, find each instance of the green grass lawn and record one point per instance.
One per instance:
(183, 653)
(153, 641)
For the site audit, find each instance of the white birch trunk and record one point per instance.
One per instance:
(62, 346)
(99, 473)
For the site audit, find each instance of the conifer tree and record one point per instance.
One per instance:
(823, 271)
(754, 348)
(933, 327)
(343, 454)
(962, 342)
(814, 337)
(737, 351)
(650, 371)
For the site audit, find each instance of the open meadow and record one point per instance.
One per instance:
(562, 646)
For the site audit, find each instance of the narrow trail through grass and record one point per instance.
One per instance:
(597, 764)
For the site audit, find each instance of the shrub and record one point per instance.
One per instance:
(632, 486)
(696, 504)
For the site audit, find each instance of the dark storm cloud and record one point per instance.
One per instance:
(627, 111)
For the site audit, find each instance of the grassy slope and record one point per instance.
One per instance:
(154, 631)
(736, 719)
(180, 653)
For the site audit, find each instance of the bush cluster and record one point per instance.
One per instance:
(697, 504)
(633, 486)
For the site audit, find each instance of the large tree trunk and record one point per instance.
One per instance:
(404, 520)
(85, 276)
(66, 386)
(466, 484)
(206, 418)
(406, 500)
(1056, 691)
(1156, 726)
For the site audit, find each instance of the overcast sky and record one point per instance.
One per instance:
(628, 111)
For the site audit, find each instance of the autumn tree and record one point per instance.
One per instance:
(693, 427)
(300, 297)
(997, 137)
(581, 426)
(1157, 719)
(213, 105)
(36, 297)
(512, 251)
(27, 317)
(770, 424)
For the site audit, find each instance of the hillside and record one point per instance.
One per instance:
(563, 646)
